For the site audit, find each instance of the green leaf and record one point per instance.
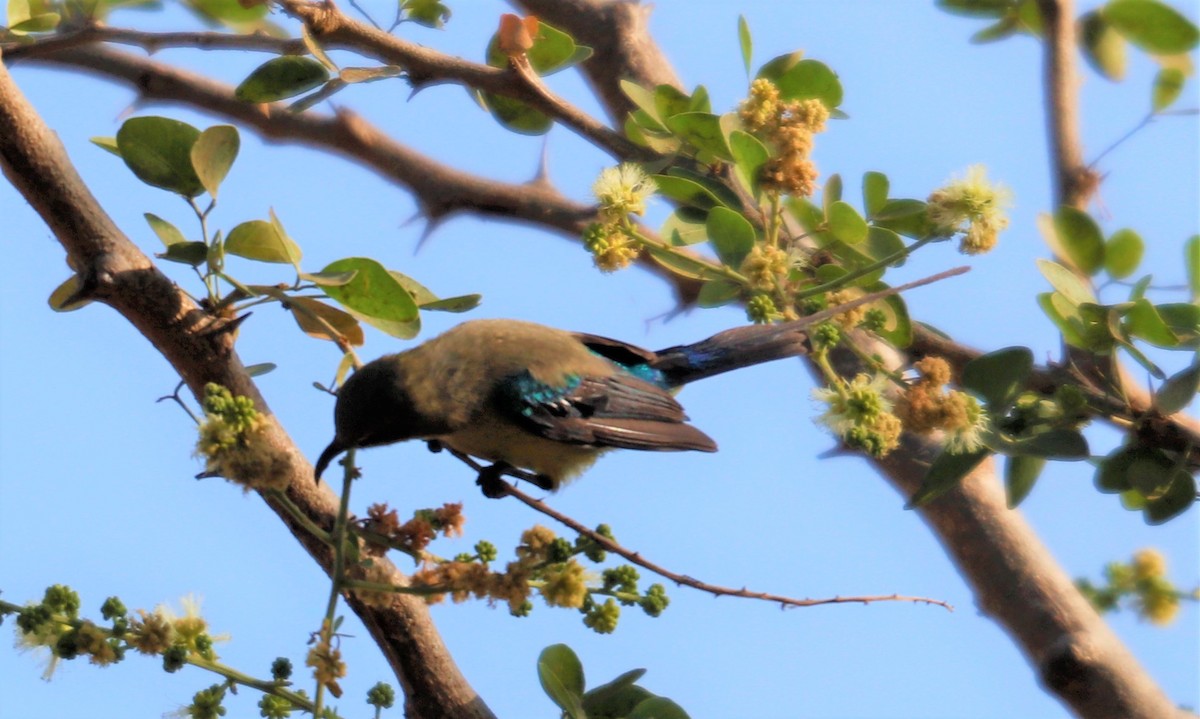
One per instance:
(260, 369)
(42, 22)
(516, 115)
(352, 75)
(617, 698)
(686, 192)
(945, 473)
(1123, 253)
(643, 99)
(1151, 25)
(745, 42)
(375, 297)
(1065, 317)
(1179, 390)
(1144, 321)
(831, 193)
(1103, 46)
(213, 155)
(427, 13)
(260, 240)
(682, 265)
(58, 299)
(108, 144)
(749, 156)
(875, 192)
(1174, 501)
(715, 186)
(658, 708)
(1004, 28)
(846, 224)
(882, 242)
(899, 210)
(1020, 474)
(717, 293)
(999, 376)
(670, 101)
(159, 151)
(904, 216)
(1168, 84)
(18, 12)
(1061, 444)
(1183, 318)
(810, 79)
(168, 233)
(315, 49)
(281, 78)
(701, 130)
(1080, 238)
(897, 327)
(1150, 472)
(313, 316)
(462, 303)
(335, 279)
(1191, 264)
(552, 50)
(685, 226)
(186, 253)
(1112, 473)
(230, 12)
(731, 235)
(561, 675)
(1066, 282)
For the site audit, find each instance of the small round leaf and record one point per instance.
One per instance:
(159, 151)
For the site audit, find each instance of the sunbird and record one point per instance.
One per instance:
(523, 395)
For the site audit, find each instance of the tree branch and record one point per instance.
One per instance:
(1075, 182)
(1017, 583)
(618, 33)
(680, 579)
(424, 66)
(115, 272)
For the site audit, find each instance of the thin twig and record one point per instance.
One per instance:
(680, 579)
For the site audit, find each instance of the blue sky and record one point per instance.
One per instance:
(96, 486)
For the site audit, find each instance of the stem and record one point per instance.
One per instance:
(865, 269)
(273, 688)
(726, 272)
(299, 516)
(210, 282)
(339, 565)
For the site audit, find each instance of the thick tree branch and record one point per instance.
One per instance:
(152, 42)
(115, 272)
(1075, 182)
(1016, 582)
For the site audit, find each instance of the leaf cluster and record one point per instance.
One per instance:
(561, 675)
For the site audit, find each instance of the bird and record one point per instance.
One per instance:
(524, 395)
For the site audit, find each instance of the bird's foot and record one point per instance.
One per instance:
(491, 480)
(434, 445)
(541, 481)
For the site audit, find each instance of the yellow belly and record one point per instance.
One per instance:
(502, 442)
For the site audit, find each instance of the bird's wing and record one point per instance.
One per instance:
(620, 352)
(615, 411)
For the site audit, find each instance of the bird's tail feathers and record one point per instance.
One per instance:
(746, 346)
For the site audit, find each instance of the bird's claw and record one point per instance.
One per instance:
(434, 445)
(491, 480)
